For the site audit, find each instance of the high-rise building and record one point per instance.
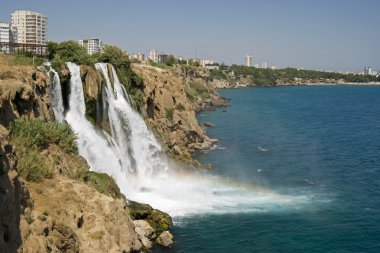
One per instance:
(368, 71)
(92, 45)
(29, 27)
(248, 60)
(4, 36)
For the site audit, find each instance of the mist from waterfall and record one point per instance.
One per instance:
(130, 153)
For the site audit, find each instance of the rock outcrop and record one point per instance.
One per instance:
(23, 93)
(171, 98)
(63, 213)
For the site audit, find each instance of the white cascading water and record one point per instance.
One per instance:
(132, 155)
(55, 92)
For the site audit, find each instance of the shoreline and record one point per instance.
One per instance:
(303, 84)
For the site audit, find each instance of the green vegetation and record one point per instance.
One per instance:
(103, 183)
(39, 134)
(159, 65)
(170, 61)
(169, 114)
(218, 74)
(31, 137)
(71, 51)
(32, 165)
(267, 77)
(180, 107)
(21, 58)
(197, 89)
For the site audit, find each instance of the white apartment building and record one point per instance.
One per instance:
(92, 45)
(248, 60)
(4, 36)
(153, 55)
(204, 62)
(139, 56)
(29, 27)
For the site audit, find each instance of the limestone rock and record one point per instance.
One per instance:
(165, 239)
(172, 96)
(158, 220)
(144, 232)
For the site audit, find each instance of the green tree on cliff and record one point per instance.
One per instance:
(170, 61)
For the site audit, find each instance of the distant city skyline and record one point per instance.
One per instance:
(322, 35)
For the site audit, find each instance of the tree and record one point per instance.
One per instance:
(52, 48)
(115, 55)
(170, 61)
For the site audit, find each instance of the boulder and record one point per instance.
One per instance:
(144, 232)
(160, 221)
(165, 239)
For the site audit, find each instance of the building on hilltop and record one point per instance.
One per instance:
(140, 57)
(248, 60)
(162, 57)
(204, 62)
(5, 37)
(157, 57)
(153, 55)
(29, 27)
(92, 45)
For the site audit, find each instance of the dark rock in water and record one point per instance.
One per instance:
(159, 220)
(224, 111)
(208, 124)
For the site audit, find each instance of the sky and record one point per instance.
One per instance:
(341, 35)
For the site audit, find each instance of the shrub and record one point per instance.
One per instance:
(32, 166)
(169, 114)
(200, 89)
(38, 133)
(180, 107)
(114, 55)
(31, 137)
(103, 183)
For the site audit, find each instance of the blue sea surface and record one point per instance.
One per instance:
(321, 142)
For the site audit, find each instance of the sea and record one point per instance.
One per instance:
(319, 144)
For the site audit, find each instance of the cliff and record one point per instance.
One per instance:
(49, 200)
(171, 98)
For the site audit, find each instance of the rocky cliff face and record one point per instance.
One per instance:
(63, 213)
(23, 94)
(171, 98)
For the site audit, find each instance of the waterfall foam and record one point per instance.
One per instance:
(133, 156)
(55, 92)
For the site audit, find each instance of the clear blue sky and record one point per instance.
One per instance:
(315, 34)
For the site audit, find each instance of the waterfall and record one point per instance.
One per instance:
(133, 157)
(94, 144)
(55, 92)
(138, 147)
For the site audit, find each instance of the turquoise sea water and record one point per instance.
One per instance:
(321, 143)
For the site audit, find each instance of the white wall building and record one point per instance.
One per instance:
(29, 27)
(369, 71)
(248, 60)
(139, 56)
(153, 55)
(92, 45)
(203, 63)
(4, 36)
